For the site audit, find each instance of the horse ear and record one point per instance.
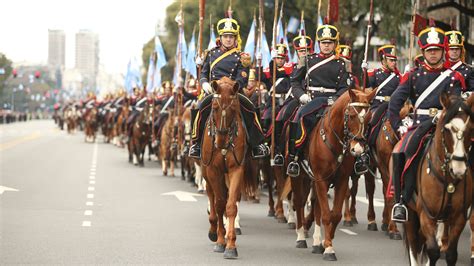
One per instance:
(236, 87)
(444, 100)
(215, 86)
(352, 95)
(372, 94)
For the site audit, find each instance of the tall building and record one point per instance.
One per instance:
(56, 49)
(87, 57)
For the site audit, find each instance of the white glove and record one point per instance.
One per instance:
(364, 65)
(304, 99)
(258, 56)
(407, 122)
(274, 53)
(207, 88)
(199, 60)
(402, 130)
(466, 94)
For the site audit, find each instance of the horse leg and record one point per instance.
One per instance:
(318, 247)
(298, 201)
(321, 189)
(347, 213)
(291, 214)
(212, 234)
(471, 223)
(235, 181)
(455, 230)
(269, 177)
(353, 197)
(172, 166)
(238, 231)
(429, 229)
(164, 167)
(370, 190)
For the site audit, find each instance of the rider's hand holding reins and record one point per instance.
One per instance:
(207, 88)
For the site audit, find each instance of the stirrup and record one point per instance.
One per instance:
(279, 160)
(361, 165)
(262, 150)
(195, 151)
(293, 169)
(399, 220)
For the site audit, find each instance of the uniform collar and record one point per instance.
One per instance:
(429, 68)
(325, 55)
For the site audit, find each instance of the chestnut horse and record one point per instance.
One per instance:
(338, 135)
(168, 145)
(441, 208)
(224, 157)
(90, 125)
(119, 127)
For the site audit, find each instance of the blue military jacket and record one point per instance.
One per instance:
(378, 77)
(412, 86)
(332, 75)
(218, 65)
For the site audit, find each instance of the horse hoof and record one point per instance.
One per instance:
(384, 227)
(472, 261)
(318, 249)
(271, 213)
(301, 244)
(354, 220)
(282, 220)
(395, 236)
(329, 257)
(165, 173)
(372, 227)
(291, 226)
(219, 248)
(347, 224)
(201, 191)
(230, 253)
(238, 231)
(442, 256)
(212, 236)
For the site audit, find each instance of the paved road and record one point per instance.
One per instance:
(82, 203)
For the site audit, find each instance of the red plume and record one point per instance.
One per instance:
(431, 22)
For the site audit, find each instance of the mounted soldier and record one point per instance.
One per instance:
(89, 104)
(345, 52)
(138, 102)
(316, 84)
(225, 61)
(423, 86)
(456, 55)
(303, 46)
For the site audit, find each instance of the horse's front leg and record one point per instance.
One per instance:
(455, 230)
(370, 190)
(340, 191)
(298, 201)
(212, 234)
(235, 181)
(321, 189)
(433, 233)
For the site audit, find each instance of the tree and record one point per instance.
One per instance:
(6, 65)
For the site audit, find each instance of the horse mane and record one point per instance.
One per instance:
(455, 107)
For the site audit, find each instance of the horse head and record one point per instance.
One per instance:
(455, 128)
(225, 111)
(356, 118)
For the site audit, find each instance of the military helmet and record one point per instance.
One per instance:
(282, 50)
(387, 51)
(432, 37)
(345, 51)
(327, 32)
(302, 41)
(455, 38)
(228, 26)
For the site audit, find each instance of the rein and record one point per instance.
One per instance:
(348, 136)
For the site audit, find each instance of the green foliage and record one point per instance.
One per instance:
(351, 21)
(6, 64)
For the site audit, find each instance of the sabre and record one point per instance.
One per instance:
(367, 41)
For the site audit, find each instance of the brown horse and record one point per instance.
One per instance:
(141, 132)
(380, 154)
(440, 210)
(337, 136)
(224, 156)
(90, 125)
(168, 145)
(70, 115)
(119, 127)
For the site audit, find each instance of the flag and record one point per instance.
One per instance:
(265, 50)
(160, 62)
(133, 76)
(184, 48)
(316, 46)
(419, 24)
(282, 36)
(334, 10)
(250, 44)
(150, 74)
(212, 40)
(191, 67)
(293, 25)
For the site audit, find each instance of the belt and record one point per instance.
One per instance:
(432, 112)
(321, 89)
(382, 98)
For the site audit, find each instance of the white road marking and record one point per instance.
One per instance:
(86, 223)
(90, 188)
(3, 189)
(88, 213)
(349, 232)
(183, 195)
(90, 196)
(89, 203)
(91, 177)
(92, 182)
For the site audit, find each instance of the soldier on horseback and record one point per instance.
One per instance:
(456, 62)
(139, 100)
(225, 61)
(303, 46)
(316, 84)
(422, 86)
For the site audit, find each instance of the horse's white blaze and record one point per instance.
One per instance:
(300, 234)
(458, 167)
(291, 212)
(329, 250)
(439, 233)
(317, 235)
(358, 149)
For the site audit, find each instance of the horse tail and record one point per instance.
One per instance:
(417, 247)
(251, 178)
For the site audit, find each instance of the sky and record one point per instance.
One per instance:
(123, 27)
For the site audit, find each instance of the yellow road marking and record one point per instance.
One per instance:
(12, 143)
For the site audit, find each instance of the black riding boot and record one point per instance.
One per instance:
(279, 160)
(195, 149)
(399, 211)
(293, 167)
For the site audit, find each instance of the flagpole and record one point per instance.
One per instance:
(275, 18)
(367, 42)
(412, 35)
(259, 51)
(202, 8)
